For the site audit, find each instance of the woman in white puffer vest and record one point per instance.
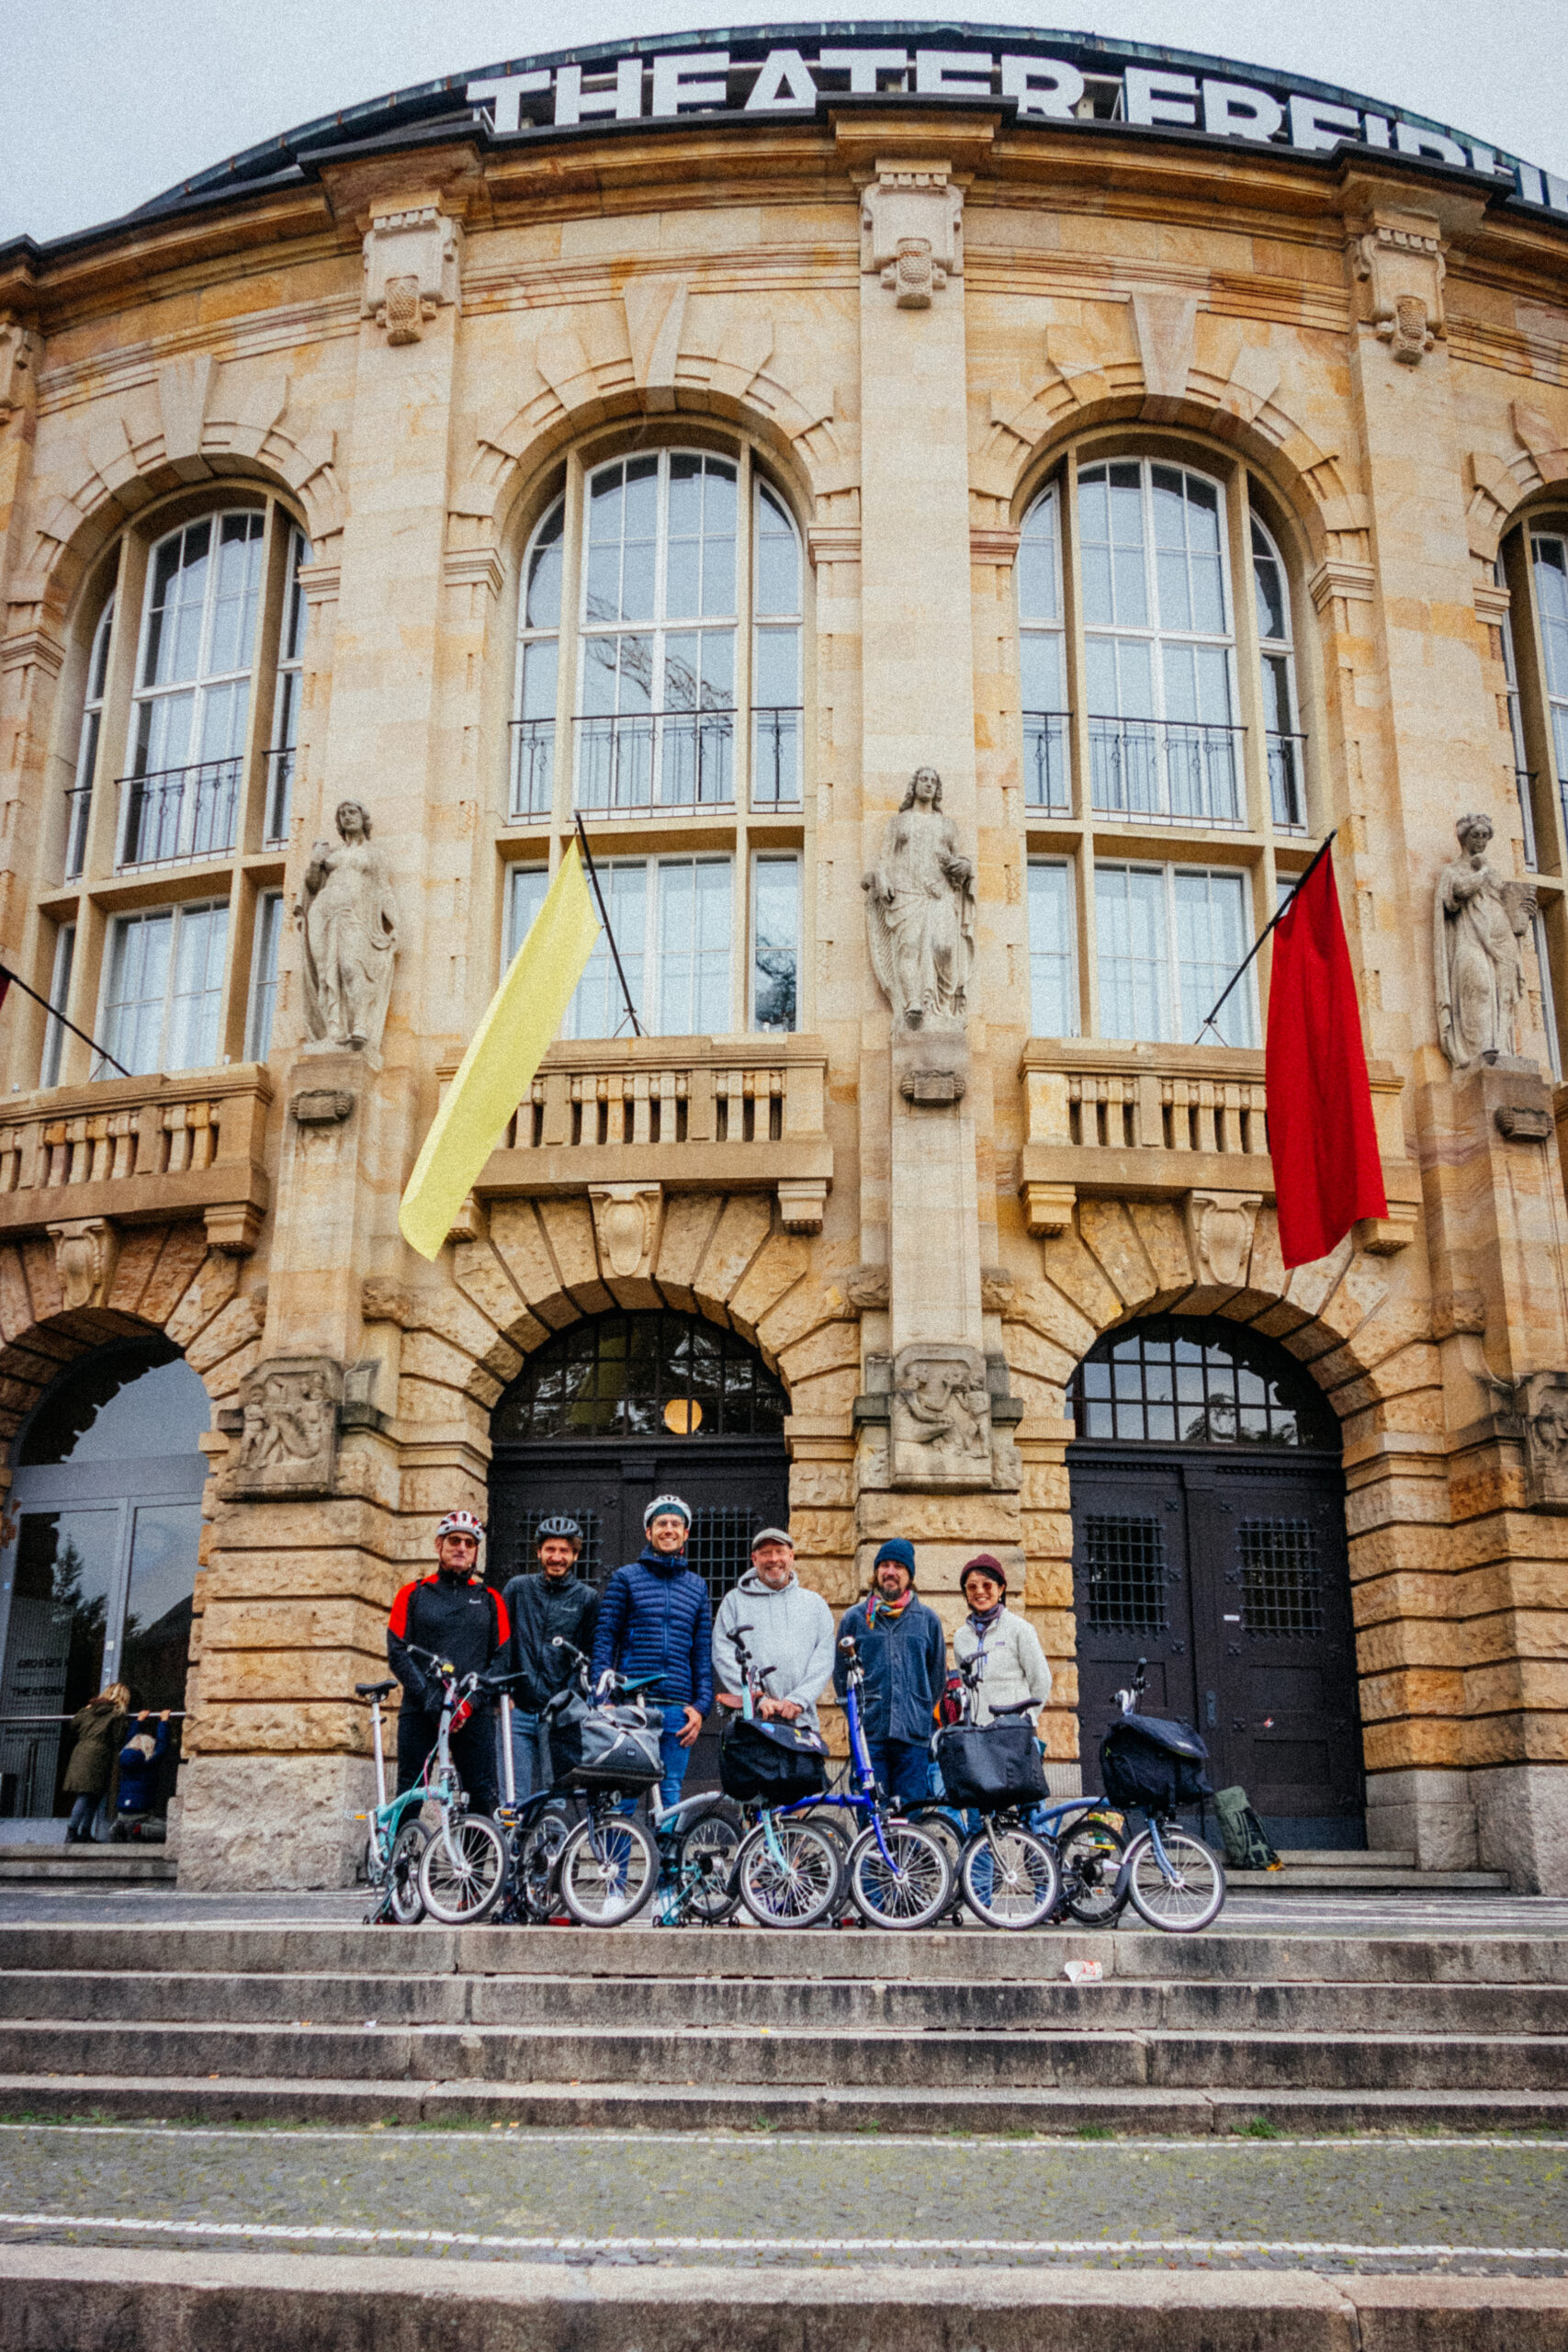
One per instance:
(1012, 1664)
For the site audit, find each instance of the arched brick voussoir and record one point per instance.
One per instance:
(1108, 1232)
(482, 1278)
(1397, 1324)
(518, 1240)
(429, 1357)
(449, 1318)
(744, 1224)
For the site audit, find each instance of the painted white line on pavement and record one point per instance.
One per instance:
(762, 2143)
(326, 2233)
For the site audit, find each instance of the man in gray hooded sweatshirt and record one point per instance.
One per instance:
(790, 1632)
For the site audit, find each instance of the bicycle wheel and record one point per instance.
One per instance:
(609, 1867)
(792, 1879)
(538, 1852)
(403, 1898)
(463, 1869)
(1090, 1856)
(1010, 1878)
(909, 1888)
(1183, 1898)
(948, 1834)
(705, 1867)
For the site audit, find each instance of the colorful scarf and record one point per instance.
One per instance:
(880, 1610)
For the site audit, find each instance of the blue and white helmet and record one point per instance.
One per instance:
(662, 1503)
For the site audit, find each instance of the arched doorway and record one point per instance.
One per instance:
(98, 1568)
(1209, 1538)
(624, 1407)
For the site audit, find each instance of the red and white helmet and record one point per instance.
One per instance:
(461, 1522)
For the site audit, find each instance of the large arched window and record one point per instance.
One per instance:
(642, 1375)
(1181, 1380)
(1163, 752)
(1533, 567)
(186, 731)
(660, 691)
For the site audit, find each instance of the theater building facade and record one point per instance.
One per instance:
(962, 520)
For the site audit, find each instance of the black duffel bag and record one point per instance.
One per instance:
(1150, 1766)
(991, 1767)
(771, 1762)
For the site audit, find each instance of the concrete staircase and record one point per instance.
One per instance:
(1331, 1870)
(960, 2031)
(108, 1865)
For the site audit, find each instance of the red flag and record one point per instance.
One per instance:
(1321, 1136)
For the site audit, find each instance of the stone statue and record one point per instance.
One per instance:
(350, 934)
(1478, 924)
(921, 911)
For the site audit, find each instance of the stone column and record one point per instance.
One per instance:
(1467, 1755)
(308, 1547)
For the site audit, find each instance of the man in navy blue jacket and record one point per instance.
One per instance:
(654, 1618)
(904, 1652)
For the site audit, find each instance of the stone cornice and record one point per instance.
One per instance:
(1336, 576)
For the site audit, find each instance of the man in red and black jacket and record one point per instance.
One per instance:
(456, 1615)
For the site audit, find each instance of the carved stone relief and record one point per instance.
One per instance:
(919, 909)
(1479, 923)
(911, 233)
(1399, 272)
(627, 1218)
(288, 1428)
(942, 1416)
(85, 1250)
(19, 349)
(413, 267)
(1542, 1402)
(1219, 1227)
(350, 935)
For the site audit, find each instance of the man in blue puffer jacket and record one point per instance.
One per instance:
(654, 1618)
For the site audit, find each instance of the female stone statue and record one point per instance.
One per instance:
(920, 911)
(1478, 922)
(350, 934)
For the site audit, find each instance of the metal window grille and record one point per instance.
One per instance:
(652, 1374)
(513, 1549)
(1173, 1380)
(1127, 1573)
(719, 1547)
(1281, 1587)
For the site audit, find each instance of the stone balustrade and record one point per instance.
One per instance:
(1156, 1122)
(695, 1113)
(134, 1149)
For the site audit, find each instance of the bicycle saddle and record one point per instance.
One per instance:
(373, 1689)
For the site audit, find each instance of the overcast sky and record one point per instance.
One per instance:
(103, 103)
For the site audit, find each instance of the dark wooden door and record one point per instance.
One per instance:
(1227, 1572)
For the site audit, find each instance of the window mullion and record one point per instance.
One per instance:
(1246, 659)
(569, 655)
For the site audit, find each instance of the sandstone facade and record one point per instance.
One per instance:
(408, 355)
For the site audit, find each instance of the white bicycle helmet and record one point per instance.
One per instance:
(461, 1522)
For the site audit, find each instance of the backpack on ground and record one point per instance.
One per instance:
(1246, 1839)
(991, 1767)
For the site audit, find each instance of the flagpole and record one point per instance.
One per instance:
(12, 980)
(604, 918)
(1262, 936)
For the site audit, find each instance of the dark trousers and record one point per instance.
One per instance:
(903, 1767)
(473, 1752)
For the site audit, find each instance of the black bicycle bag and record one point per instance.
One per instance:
(991, 1767)
(620, 1750)
(770, 1763)
(1152, 1766)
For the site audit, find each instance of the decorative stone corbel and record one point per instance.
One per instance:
(1541, 1400)
(627, 1218)
(233, 1228)
(412, 268)
(911, 230)
(1219, 1233)
(802, 1203)
(864, 1289)
(1399, 268)
(1048, 1208)
(19, 349)
(322, 1106)
(86, 1250)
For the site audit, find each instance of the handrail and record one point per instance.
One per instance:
(1178, 771)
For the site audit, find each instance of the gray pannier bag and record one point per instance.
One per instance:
(620, 1749)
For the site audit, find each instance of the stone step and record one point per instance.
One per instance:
(114, 2299)
(969, 1956)
(94, 1865)
(929, 2109)
(811, 2005)
(1331, 1877)
(976, 2060)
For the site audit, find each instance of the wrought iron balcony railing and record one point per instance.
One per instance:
(1182, 771)
(649, 761)
(178, 815)
(776, 758)
(1047, 767)
(1287, 781)
(532, 771)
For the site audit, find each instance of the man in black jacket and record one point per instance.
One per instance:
(555, 1602)
(454, 1614)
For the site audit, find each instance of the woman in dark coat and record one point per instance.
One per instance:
(100, 1727)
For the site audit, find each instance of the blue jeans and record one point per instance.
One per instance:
(676, 1758)
(903, 1767)
(532, 1766)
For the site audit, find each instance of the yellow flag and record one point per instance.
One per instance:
(507, 1048)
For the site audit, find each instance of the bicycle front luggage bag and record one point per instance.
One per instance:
(989, 1768)
(771, 1763)
(620, 1749)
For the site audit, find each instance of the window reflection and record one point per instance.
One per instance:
(1196, 1382)
(636, 1375)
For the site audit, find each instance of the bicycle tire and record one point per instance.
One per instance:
(1031, 1882)
(796, 1885)
(599, 1872)
(1186, 1905)
(538, 1857)
(1090, 1855)
(462, 1872)
(705, 1865)
(914, 1893)
(405, 1902)
(935, 1824)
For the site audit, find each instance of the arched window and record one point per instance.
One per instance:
(642, 1375)
(1533, 566)
(1180, 1380)
(1041, 665)
(1277, 660)
(661, 684)
(198, 650)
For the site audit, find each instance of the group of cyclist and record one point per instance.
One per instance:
(654, 1620)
